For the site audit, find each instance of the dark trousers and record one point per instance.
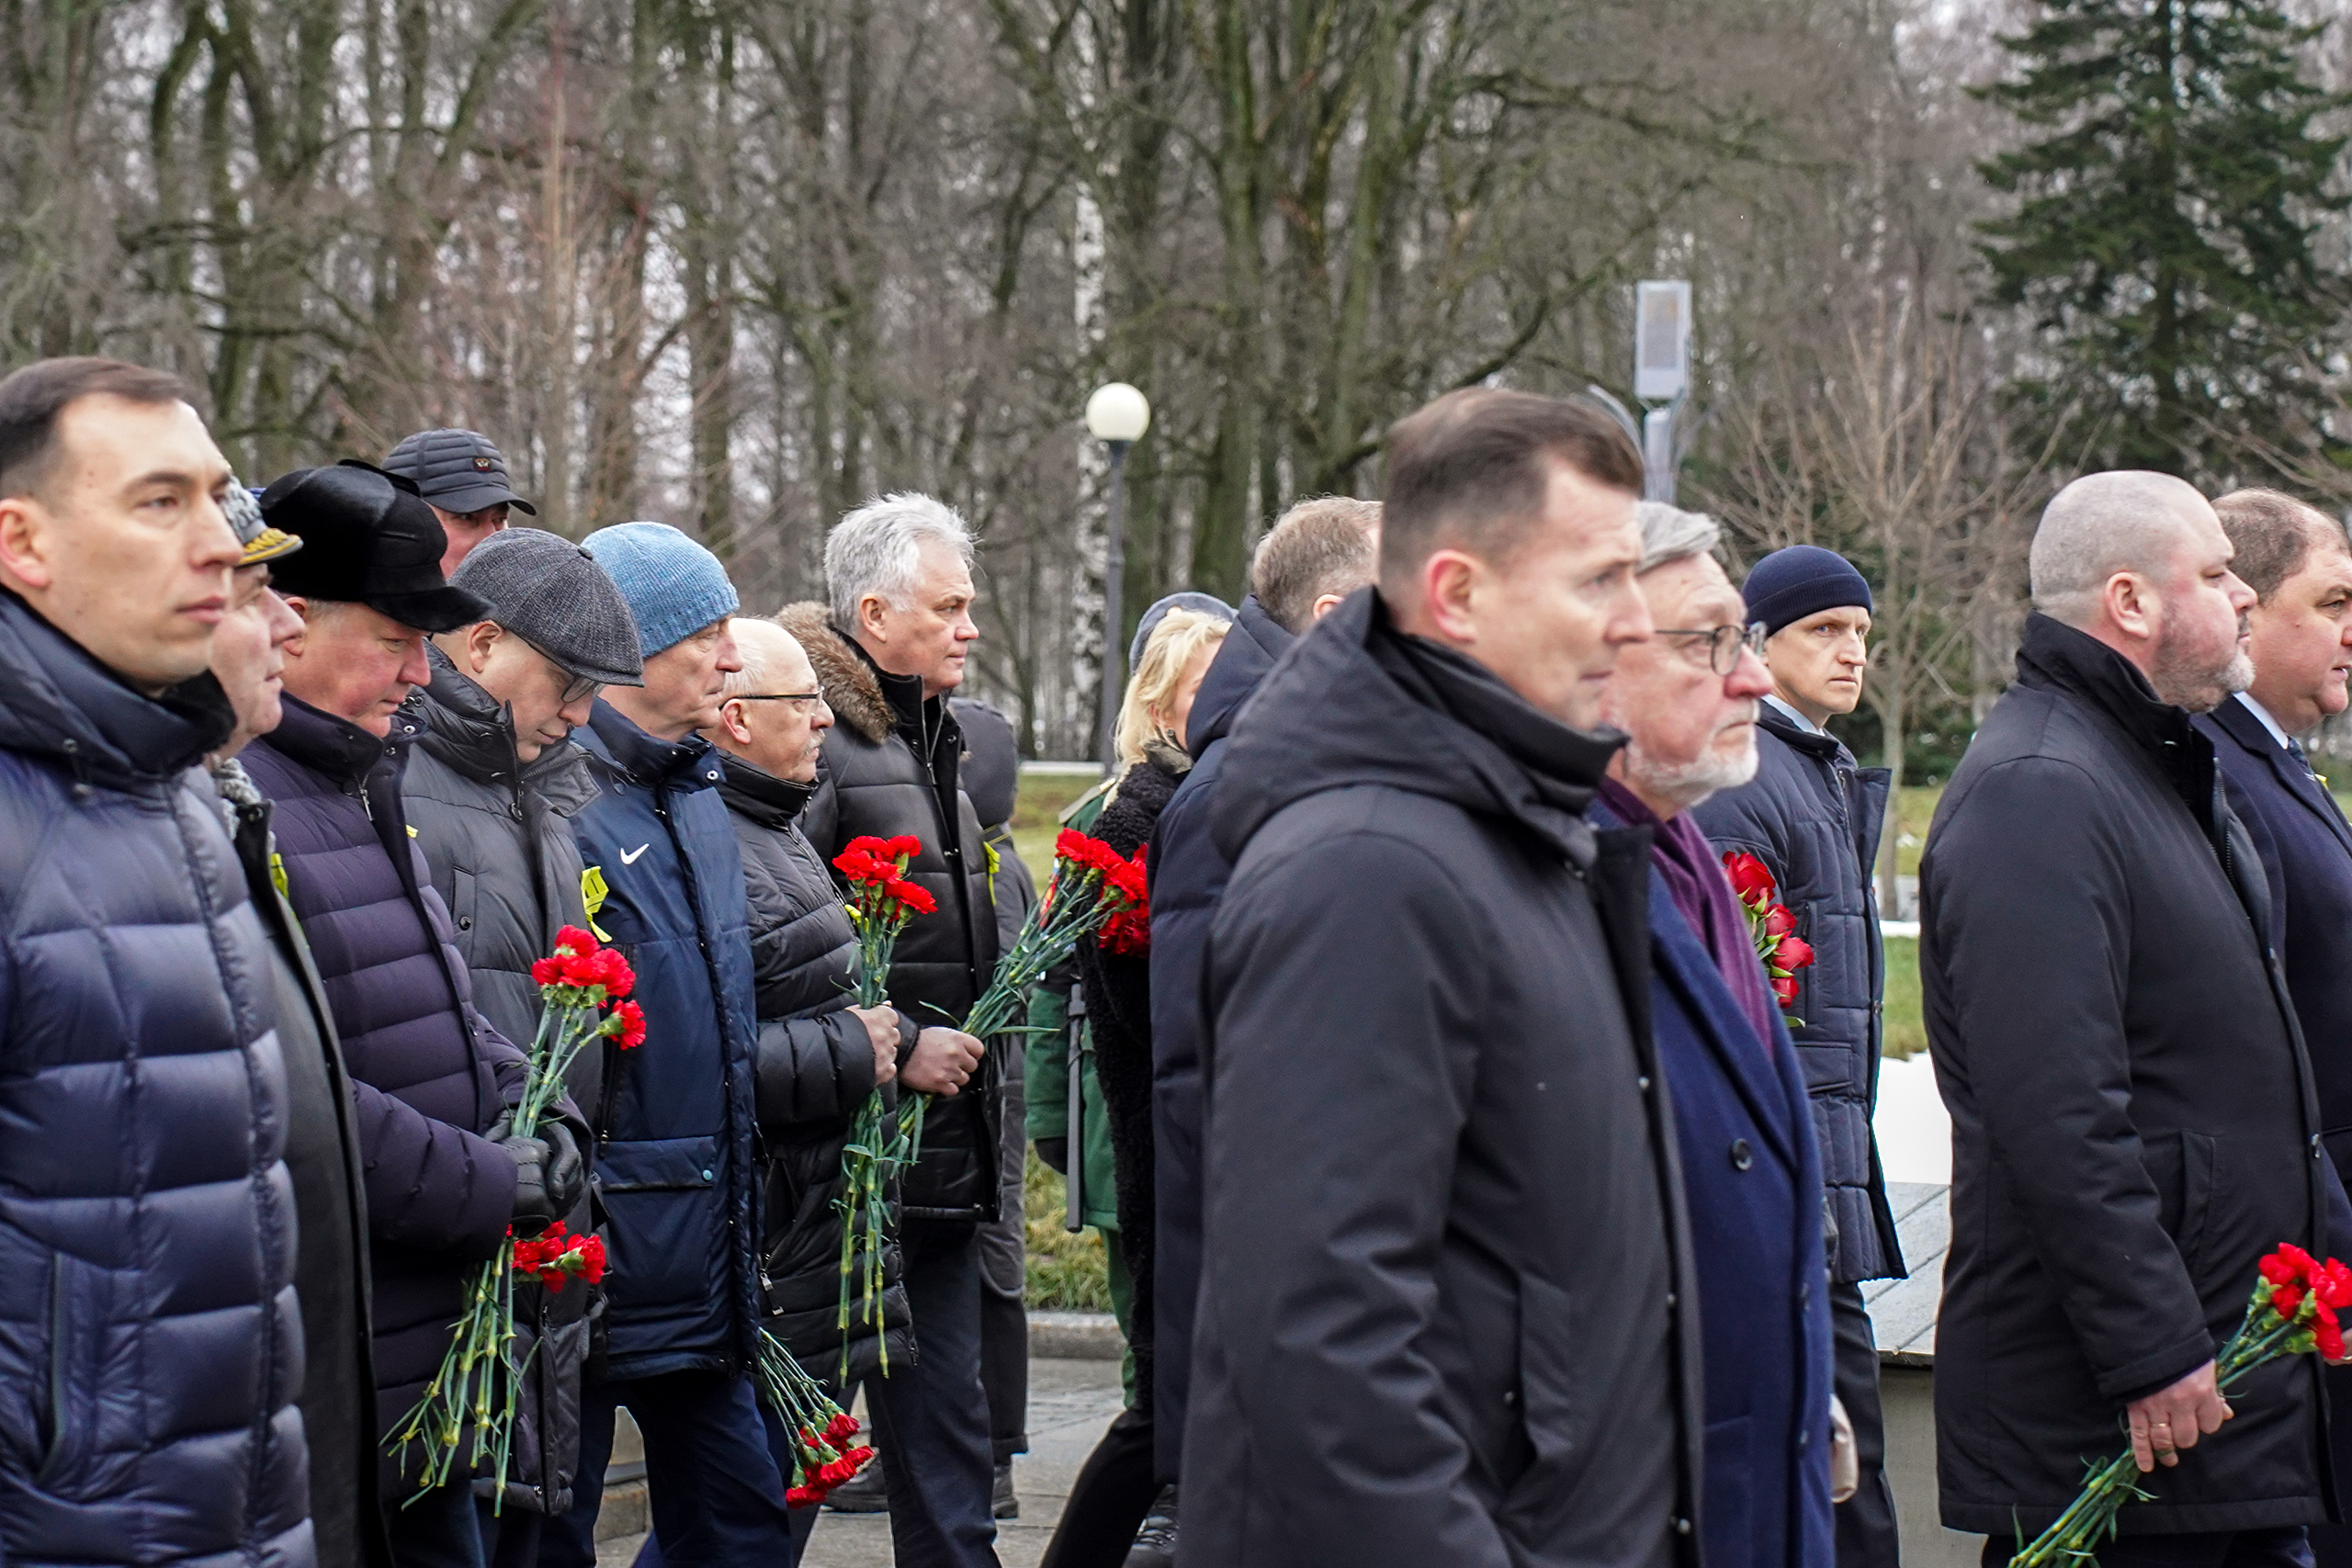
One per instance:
(1004, 1370)
(2282, 1548)
(717, 1495)
(932, 1419)
(2332, 1544)
(1113, 1490)
(510, 1538)
(803, 1520)
(436, 1530)
(1866, 1534)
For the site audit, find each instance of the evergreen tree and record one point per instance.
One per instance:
(2164, 238)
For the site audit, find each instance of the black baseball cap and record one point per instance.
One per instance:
(368, 539)
(457, 470)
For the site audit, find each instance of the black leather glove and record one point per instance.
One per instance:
(1054, 1152)
(534, 1206)
(567, 1172)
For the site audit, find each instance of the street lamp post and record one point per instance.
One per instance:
(1117, 415)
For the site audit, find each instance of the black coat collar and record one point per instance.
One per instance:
(337, 748)
(754, 792)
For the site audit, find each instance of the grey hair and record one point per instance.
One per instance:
(875, 549)
(757, 645)
(1671, 534)
(2127, 520)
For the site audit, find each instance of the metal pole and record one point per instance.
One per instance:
(1114, 571)
(1074, 1156)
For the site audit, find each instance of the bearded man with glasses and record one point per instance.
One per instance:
(1813, 815)
(490, 790)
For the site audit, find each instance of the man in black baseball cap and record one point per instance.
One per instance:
(463, 478)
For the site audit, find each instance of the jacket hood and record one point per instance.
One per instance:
(853, 687)
(1243, 661)
(59, 702)
(756, 793)
(464, 726)
(1357, 702)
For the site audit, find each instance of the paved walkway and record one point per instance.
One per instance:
(1069, 1403)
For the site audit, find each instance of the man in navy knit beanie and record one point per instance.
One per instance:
(1812, 818)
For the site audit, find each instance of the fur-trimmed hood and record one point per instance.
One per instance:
(852, 688)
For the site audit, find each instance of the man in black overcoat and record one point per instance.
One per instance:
(2299, 563)
(2133, 1119)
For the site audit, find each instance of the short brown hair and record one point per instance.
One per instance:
(32, 398)
(1471, 469)
(2274, 534)
(1319, 547)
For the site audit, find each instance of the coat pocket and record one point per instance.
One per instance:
(465, 900)
(1552, 1396)
(68, 1402)
(2185, 1169)
(663, 1215)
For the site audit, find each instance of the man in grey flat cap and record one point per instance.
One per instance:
(490, 790)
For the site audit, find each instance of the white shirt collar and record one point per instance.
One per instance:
(1792, 716)
(2258, 711)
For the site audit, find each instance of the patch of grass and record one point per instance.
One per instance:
(1037, 817)
(1906, 1027)
(1913, 813)
(1067, 1272)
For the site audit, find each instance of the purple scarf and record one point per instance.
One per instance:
(1694, 877)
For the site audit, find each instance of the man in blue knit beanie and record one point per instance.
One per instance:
(1812, 818)
(675, 1168)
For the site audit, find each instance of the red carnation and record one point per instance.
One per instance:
(859, 866)
(1749, 879)
(546, 972)
(804, 1497)
(614, 974)
(906, 846)
(581, 943)
(631, 1032)
(910, 894)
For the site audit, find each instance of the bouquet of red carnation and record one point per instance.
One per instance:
(824, 1455)
(478, 1382)
(1093, 884)
(881, 903)
(1770, 926)
(2291, 1312)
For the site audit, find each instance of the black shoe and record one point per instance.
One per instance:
(865, 1492)
(1155, 1544)
(1002, 1504)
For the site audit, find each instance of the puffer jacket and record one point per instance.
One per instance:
(816, 1067)
(675, 1164)
(151, 1345)
(1812, 818)
(891, 767)
(496, 837)
(429, 1077)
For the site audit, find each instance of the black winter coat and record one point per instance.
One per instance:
(1118, 993)
(496, 837)
(815, 1067)
(1814, 819)
(151, 1346)
(1188, 878)
(1445, 1311)
(2133, 1123)
(322, 1160)
(890, 767)
(429, 1077)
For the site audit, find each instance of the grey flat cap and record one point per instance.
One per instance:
(552, 594)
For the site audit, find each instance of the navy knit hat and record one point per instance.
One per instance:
(1205, 603)
(674, 586)
(1803, 579)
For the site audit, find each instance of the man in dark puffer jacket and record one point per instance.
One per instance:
(898, 573)
(151, 1346)
(1812, 816)
(432, 1080)
(491, 788)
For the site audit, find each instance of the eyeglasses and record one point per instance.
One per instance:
(1723, 643)
(808, 705)
(581, 688)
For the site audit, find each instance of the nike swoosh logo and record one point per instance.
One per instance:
(628, 857)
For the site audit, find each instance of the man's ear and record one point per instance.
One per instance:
(2131, 606)
(1451, 581)
(731, 719)
(24, 555)
(874, 615)
(482, 639)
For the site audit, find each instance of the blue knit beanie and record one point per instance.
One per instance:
(1803, 579)
(674, 586)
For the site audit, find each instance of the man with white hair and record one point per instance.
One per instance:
(1688, 700)
(887, 650)
(2133, 1122)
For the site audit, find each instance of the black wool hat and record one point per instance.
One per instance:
(457, 470)
(367, 539)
